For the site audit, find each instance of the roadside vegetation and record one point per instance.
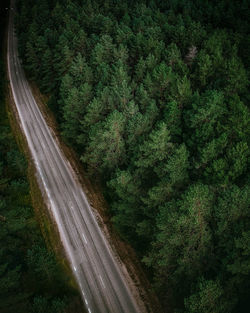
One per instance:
(153, 96)
(30, 279)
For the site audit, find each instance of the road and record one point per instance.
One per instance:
(103, 286)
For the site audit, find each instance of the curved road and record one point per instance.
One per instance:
(103, 286)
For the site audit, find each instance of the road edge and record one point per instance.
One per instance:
(39, 202)
(122, 251)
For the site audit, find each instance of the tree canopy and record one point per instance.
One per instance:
(153, 96)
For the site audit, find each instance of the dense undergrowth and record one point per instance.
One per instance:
(153, 95)
(30, 279)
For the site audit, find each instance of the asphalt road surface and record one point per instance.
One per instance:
(100, 279)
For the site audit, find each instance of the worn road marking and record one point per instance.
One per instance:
(101, 281)
(84, 238)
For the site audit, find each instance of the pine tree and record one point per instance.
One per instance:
(107, 149)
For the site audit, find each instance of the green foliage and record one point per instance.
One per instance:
(154, 149)
(153, 96)
(209, 298)
(47, 305)
(106, 150)
(184, 234)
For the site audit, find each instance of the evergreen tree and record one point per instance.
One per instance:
(153, 96)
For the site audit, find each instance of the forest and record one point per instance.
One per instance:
(31, 280)
(153, 96)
